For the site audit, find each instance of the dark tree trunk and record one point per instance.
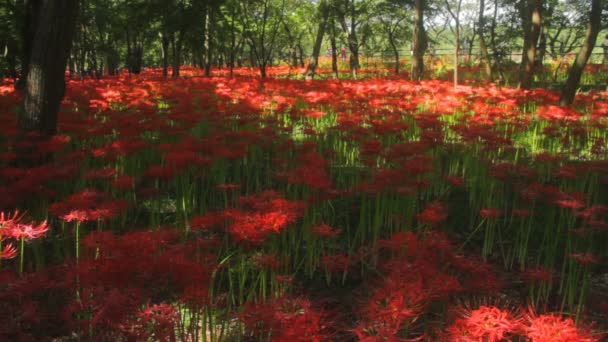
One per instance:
(301, 54)
(420, 41)
(352, 40)
(232, 42)
(391, 40)
(176, 45)
(208, 40)
(334, 50)
(165, 51)
(532, 20)
(31, 20)
(45, 83)
(316, 50)
(112, 61)
(574, 76)
(11, 58)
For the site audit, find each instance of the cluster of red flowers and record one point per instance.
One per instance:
(260, 216)
(13, 227)
(285, 319)
(493, 324)
(117, 276)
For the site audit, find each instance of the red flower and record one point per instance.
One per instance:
(434, 213)
(162, 319)
(488, 213)
(538, 274)
(584, 258)
(335, 263)
(207, 221)
(286, 319)
(8, 252)
(263, 215)
(325, 230)
(553, 328)
(487, 323)
(268, 261)
(30, 231)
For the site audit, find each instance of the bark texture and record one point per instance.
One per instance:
(45, 83)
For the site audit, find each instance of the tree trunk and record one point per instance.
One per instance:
(334, 51)
(351, 38)
(532, 19)
(420, 41)
(542, 47)
(45, 83)
(391, 40)
(208, 41)
(165, 51)
(483, 48)
(316, 50)
(30, 27)
(456, 53)
(301, 54)
(11, 58)
(574, 76)
(177, 53)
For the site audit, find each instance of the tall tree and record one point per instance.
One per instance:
(454, 11)
(483, 47)
(574, 76)
(261, 21)
(31, 20)
(532, 14)
(322, 15)
(349, 9)
(420, 40)
(45, 83)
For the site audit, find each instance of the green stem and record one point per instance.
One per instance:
(21, 255)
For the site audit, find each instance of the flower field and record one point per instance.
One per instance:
(240, 209)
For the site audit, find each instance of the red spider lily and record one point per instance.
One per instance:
(336, 263)
(286, 319)
(208, 221)
(584, 258)
(162, 318)
(395, 306)
(401, 241)
(433, 214)
(486, 323)
(268, 261)
(325, 230)
(489, 213)
(124, 183)
(455, 181)
(7, 221)
(88, 205)
(8, 251)
(521, 212)
(284, 279)
(265, 214)
(103, 173)
(228, 186)
(29, 231)
(554, 328)
(538, 274)
(13, 227)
